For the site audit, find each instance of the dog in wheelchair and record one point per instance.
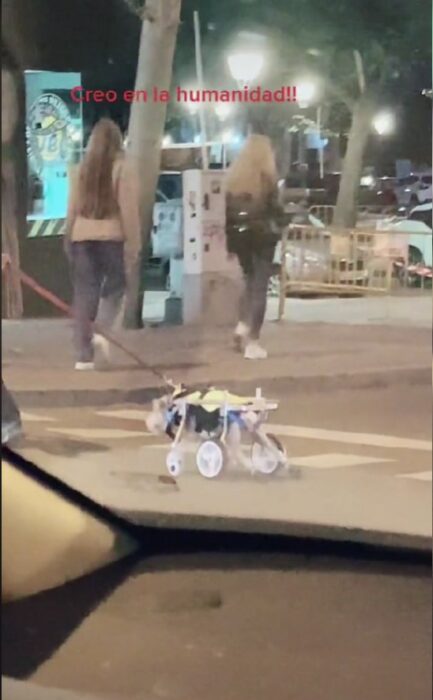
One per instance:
(217, 422)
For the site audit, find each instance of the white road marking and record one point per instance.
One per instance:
(368, 439)
(420, 476)
(130, 413)
(34, 418)
(317, 461)
(332, 461)
(98, 433)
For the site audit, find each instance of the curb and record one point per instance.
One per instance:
(373, 379)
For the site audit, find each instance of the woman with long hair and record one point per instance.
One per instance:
(252, 201)
(102, 234)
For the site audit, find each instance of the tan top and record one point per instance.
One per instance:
(125, 227)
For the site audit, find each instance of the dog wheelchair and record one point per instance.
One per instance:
(219, 421)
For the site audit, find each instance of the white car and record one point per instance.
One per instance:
(418, 229)
(414, 189)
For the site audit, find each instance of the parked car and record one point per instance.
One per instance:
(418, 227)
(308, 260)
(414, 189)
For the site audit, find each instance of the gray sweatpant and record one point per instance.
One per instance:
(254, 297)
(99, 276)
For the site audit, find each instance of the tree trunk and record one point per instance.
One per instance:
(345, 213)
(13, 186)
(147, 119)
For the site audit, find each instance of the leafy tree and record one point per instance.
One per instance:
(363, 52)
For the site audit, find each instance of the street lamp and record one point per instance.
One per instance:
(306, 92)
(384, 123)
(245, 66)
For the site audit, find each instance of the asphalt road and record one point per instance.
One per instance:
(242, 626)
(364, 458)
(388, 429)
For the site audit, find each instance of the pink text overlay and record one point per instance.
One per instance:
(285, 93)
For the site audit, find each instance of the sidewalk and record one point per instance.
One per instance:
(37, 359)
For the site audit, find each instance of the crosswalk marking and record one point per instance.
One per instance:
(419, 476)
(325, 460)
(367, 439)
(99, 433)
(317, 461)
(132, 414)
(34, 418)
(332, 461)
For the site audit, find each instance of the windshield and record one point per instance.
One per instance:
(217, 390)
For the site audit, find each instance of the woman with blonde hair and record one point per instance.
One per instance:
(102, 235)
(252, 201)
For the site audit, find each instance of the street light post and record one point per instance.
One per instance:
(244, 67)
(306, 92)
(199, 69)
(321, 154)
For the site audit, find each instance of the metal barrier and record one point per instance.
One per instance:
(325, 212)
(334, 262)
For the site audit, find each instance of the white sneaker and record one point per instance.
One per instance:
(84, 366)
(254, 351)
(240, 335)
(102, 345)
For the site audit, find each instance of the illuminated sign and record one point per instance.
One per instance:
(48, 132)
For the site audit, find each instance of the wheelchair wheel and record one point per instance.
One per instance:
(266, 461)
(174, 463)
(210, 459)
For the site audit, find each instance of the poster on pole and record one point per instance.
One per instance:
(54, 132)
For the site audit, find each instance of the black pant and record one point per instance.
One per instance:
(98, 274)
(254, 297)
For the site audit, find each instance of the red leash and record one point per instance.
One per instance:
(66, 309)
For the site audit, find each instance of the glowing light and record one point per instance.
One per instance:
(222, 110)
(384, 123)
(306, 91)
(245, 66)
(167, 140)
(367, 181)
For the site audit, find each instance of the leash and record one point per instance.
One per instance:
(68, 311)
